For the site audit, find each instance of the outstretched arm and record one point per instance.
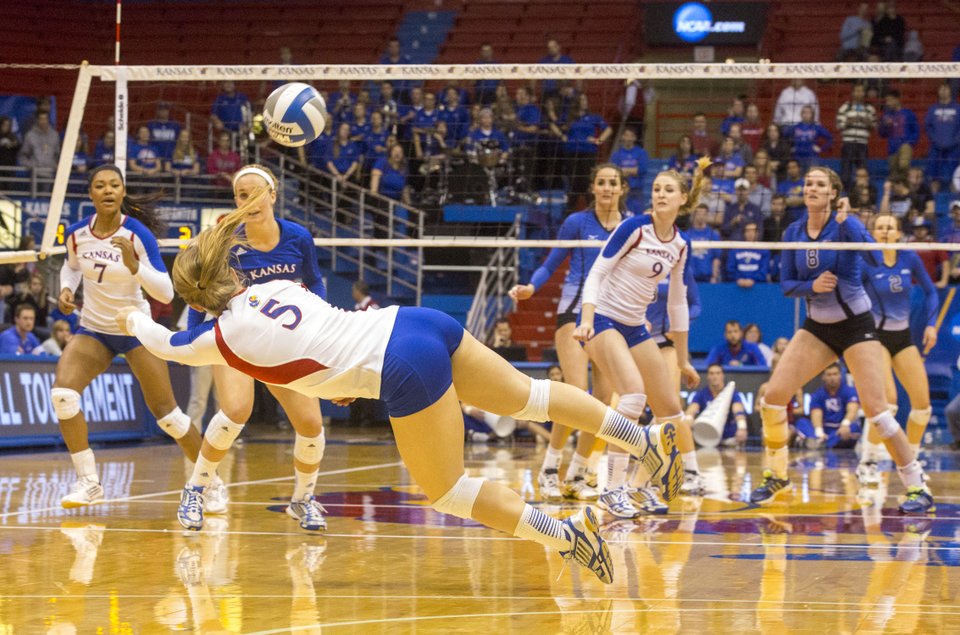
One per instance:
(194, 347)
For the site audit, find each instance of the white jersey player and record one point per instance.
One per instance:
(640, 253)
(420, 362)
(115, 255)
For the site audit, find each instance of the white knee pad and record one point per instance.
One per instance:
(309, 450)
(775, 428)
(66, 402)
(175, 423)
(537, 404)
(887, 426)
(631, 405)
(921, 417)
(893, 408)
(461, 497)
(222, 432)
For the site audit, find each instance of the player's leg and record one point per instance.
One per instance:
(84, 359)
(307, 421)
(580, 482)
(910, 371)
(871, 449)
(806, 356)
(692, 480)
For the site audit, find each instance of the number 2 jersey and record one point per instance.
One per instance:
(281, 333)
(108, 285)
(890, 288)
(800, 268)
(624, 278)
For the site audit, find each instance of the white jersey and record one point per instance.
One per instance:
(281, 333)
(623, 280)
(108, 285)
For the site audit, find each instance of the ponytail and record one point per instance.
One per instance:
(693, 196)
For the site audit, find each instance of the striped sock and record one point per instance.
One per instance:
(622, 432)
(548, 531)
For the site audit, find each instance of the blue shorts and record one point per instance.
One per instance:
(116, 344)
(416, 365)
(633, 334)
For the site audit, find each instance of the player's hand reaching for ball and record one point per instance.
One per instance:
(126, 250)
(65, 302)
(825, 282)
(122, 315)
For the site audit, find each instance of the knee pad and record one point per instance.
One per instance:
(537, 404)
(175, 423)
(461, 497)
(632, 405)
(893, 408)
(921, 417)
(309, 450)
(222, 432)
(775, 426)
(887, 426)
(66, 402)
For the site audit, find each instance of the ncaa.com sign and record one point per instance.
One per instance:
(693, 22)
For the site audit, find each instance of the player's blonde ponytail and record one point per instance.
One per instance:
(203, 273)
(693, 195)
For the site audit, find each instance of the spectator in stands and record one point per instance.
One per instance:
(504, 110)
(898, 125)
(60, 336)
(856, 119)
(362, 298)
(587, 132)
(81, 160)
(809, 139)
(913, 49)
(36, 296)
(741, 148)
(387, 105)
(685, 160)
(734, 115)
(921, 194)
(740, 212)
(526, 137)
(103, 152)
(862, 193)
(855, 35)
(10, 277)
(487, 137)
(375, 141)
(223, 161)
(163, 131)
(731, 160)
(359, 123)
(790, 105)
(705, 262)
(555, 55)
(41, 146)
(501, 341)
(143, 158)
(735, 427)
(19, 338)
(340, 104)
(722, 185)
(937, 263)
(407, 113)
(733, 351)
(714, 200)
(753, 334)
(747, 267)
(457, 117)
(766, 172)
(431, 151)
(751, 128)
(896, 198)
(758, 194)
(184, 160)
(485, 89)
(231, 110)
(778, 151)
(942, 125)
(393, 55)
(791, 187)
(834, 410)
(702, 141)
(633, 105)
(889, 33)
(388, 176)
(632, 161)
(899, 163)
(9, 144)
(343, 155)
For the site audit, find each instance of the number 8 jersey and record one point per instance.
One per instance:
(108, 284)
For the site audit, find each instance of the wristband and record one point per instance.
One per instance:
(845, 423)
(741, 424)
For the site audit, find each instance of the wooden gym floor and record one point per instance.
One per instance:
(821, 563)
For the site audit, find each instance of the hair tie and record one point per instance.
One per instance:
(200, 286)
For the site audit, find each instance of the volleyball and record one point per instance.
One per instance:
(294, 114)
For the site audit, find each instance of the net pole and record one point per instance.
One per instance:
(65, 164)
(116, 52)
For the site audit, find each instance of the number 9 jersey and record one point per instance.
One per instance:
(108, 284)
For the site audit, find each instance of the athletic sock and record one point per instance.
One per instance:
(548, 531)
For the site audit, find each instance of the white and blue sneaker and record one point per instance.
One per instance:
(586, 545)
(190, 512)
(215, 497)
(919, 501)
(648, 500)
(662, 459)
(308, 512)
(618, 503)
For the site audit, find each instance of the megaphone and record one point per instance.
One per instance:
(709, 424)
(502, 426)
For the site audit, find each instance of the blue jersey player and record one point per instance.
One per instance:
(889, 282)
(274, 249)
(607, 184)
(838, 323)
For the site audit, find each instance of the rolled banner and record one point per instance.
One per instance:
(502, 426)
(709, 424)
